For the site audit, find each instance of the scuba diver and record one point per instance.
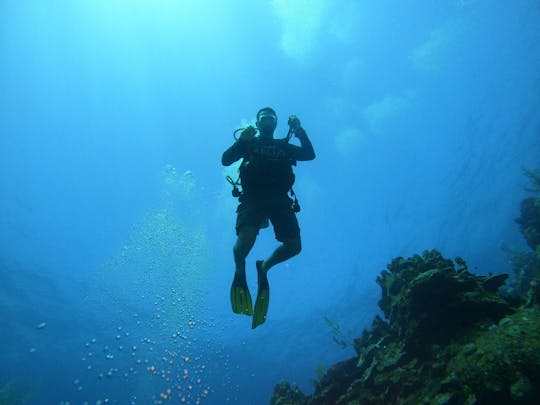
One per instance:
(266, 179)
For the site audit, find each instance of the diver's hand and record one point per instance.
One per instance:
(294, 123)
(247, 134)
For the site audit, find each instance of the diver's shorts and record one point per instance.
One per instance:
(278, 209)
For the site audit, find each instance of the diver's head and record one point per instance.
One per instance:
(266, 122)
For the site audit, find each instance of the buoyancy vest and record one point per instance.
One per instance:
(267, 168)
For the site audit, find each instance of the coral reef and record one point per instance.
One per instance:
(534, 179)
(450, 338)
(526, 266)
(427, 301)
(529, 221)
(526, 280)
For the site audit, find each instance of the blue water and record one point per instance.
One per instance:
(117, 224)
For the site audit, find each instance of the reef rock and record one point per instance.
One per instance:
(450, 338)
(529, 221)
(427, 301)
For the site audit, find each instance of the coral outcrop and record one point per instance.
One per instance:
(450, 338)
(428, 301)
(529, 221)
(526, 280)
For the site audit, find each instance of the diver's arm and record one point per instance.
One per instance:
(305, 151)
(232, 154)
(240, 147)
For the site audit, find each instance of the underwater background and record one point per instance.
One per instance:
(117, 223)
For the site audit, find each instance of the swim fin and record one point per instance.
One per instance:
(263, 297)
(240, 297)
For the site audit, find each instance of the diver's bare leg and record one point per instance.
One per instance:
(246, 239)
(285, 251)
